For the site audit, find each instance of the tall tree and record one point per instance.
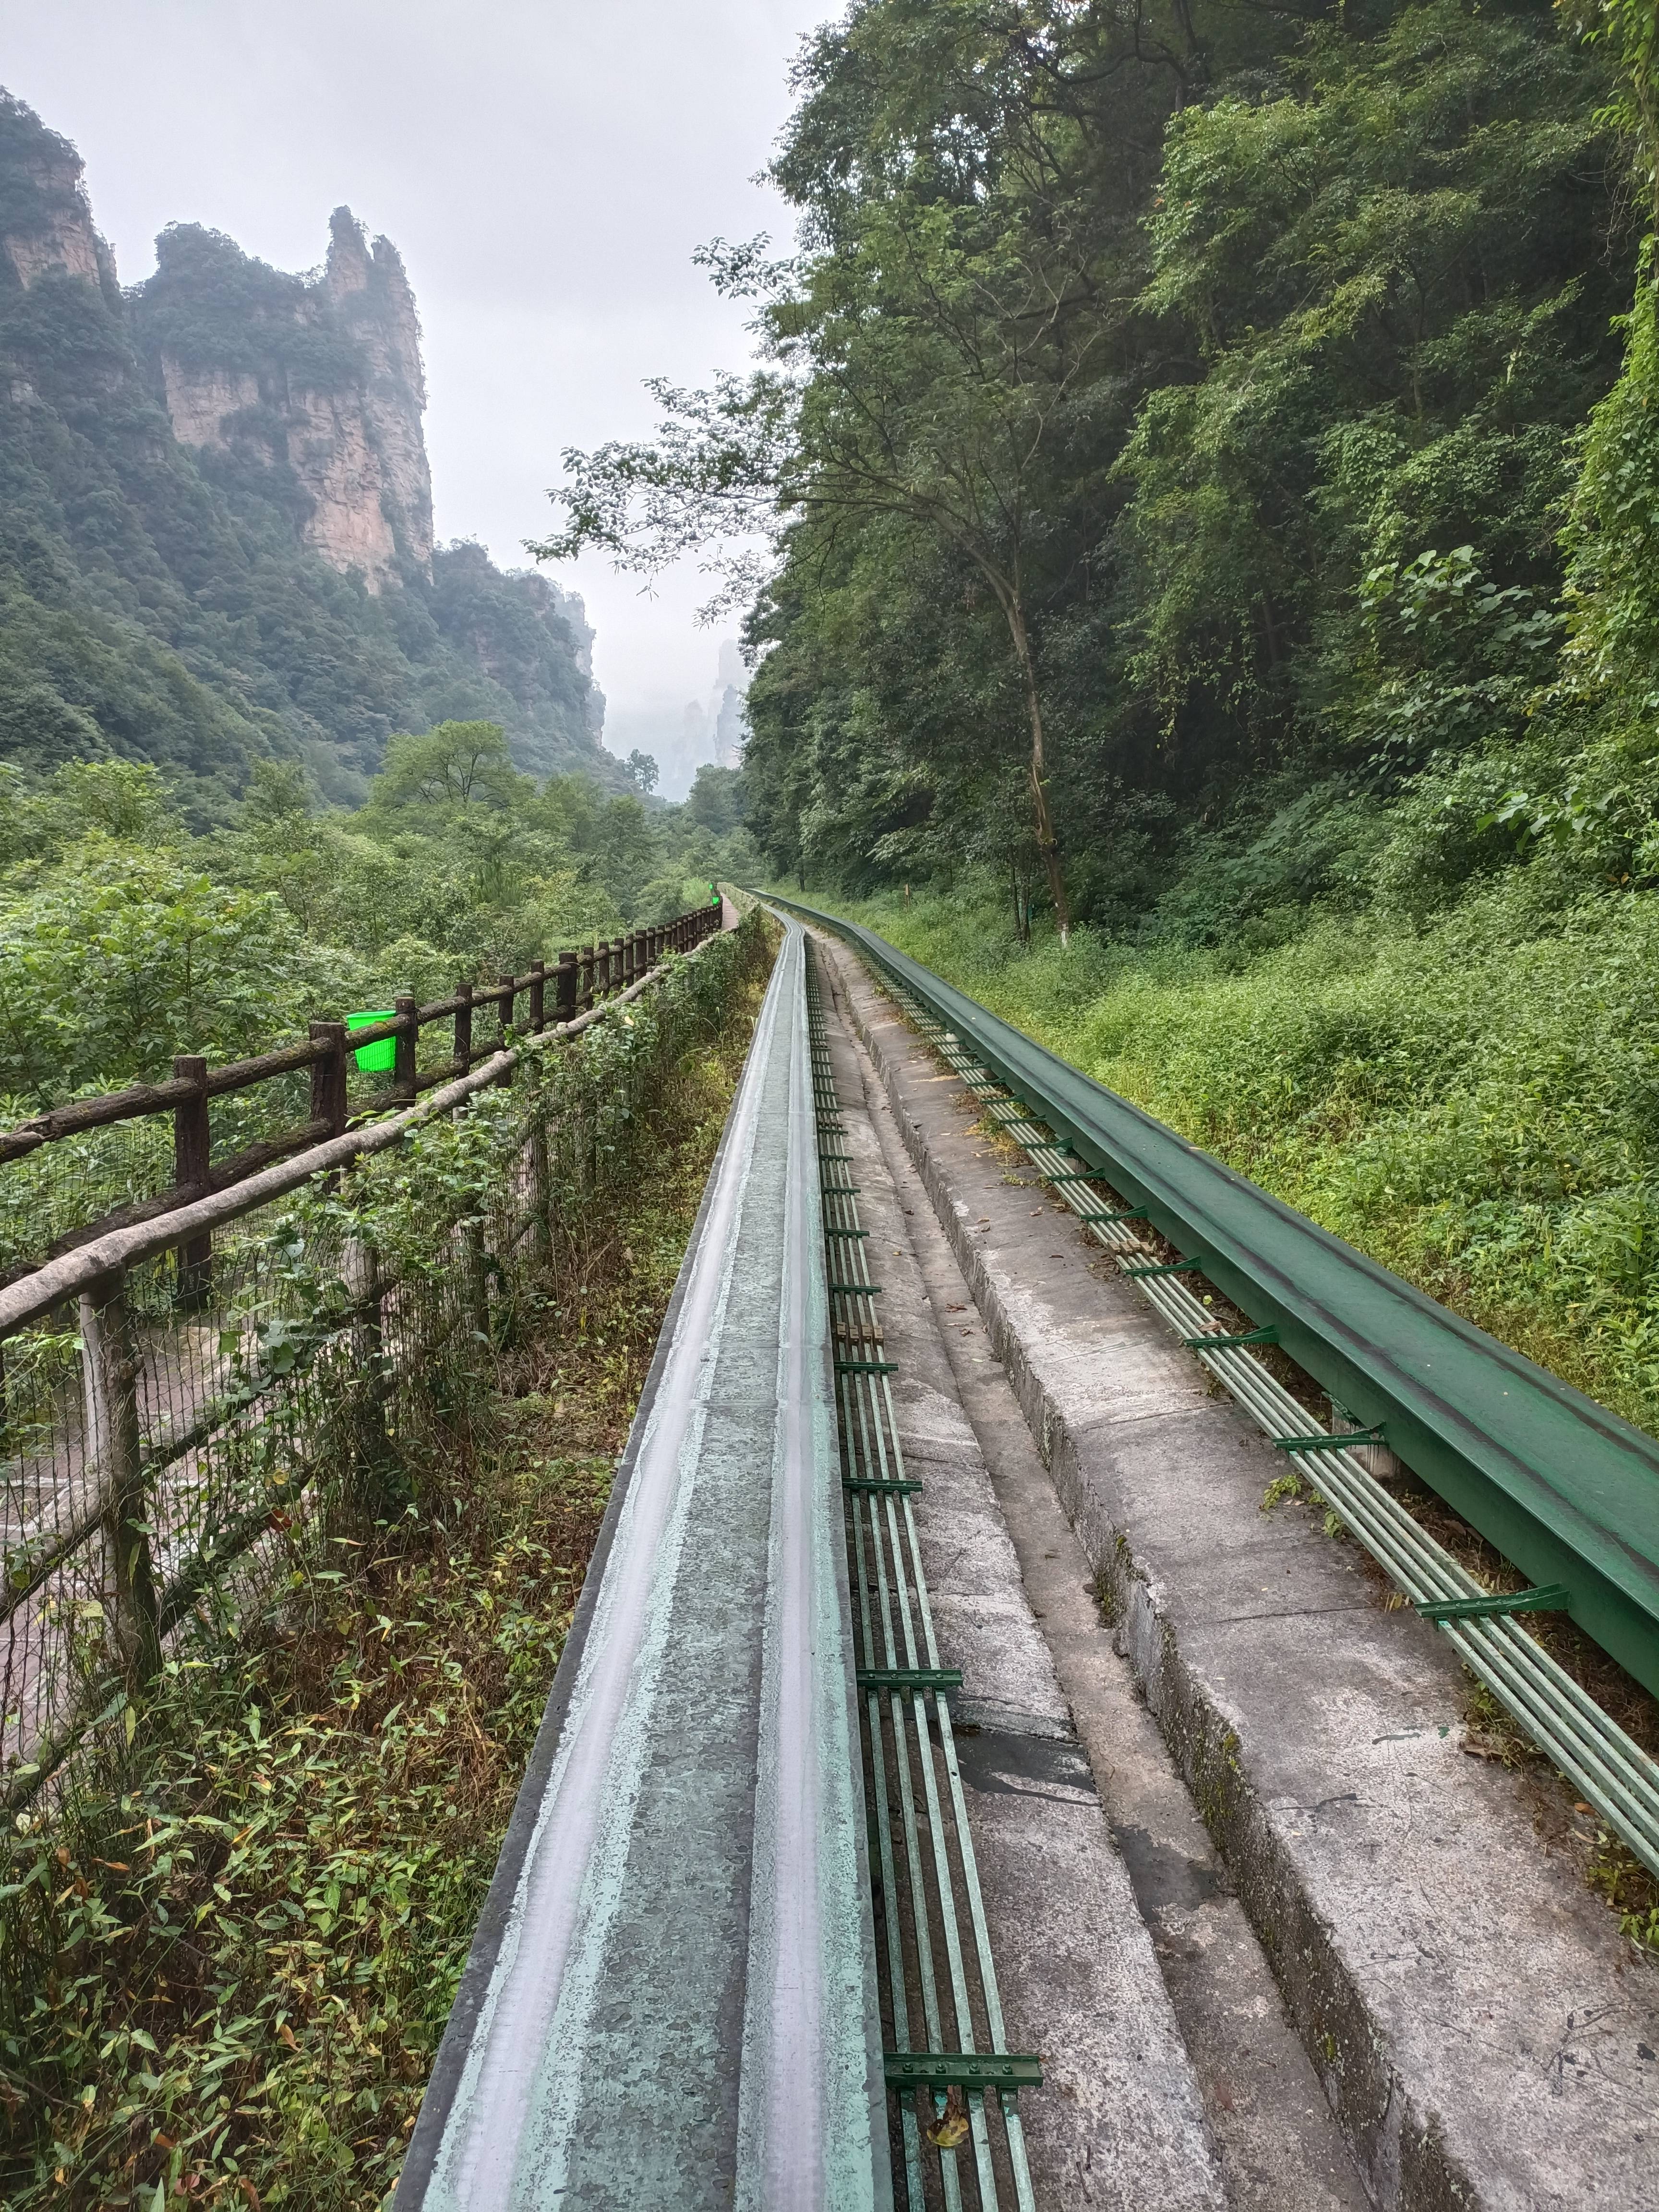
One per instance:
(931, 349)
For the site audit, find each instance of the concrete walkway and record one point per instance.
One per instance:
(1119, 2121)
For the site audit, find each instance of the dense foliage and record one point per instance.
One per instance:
(1212, 458)
(125, 939)
(157, 603)
(1169, 436)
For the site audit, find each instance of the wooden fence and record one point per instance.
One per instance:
(579, 978)
(175, 1406)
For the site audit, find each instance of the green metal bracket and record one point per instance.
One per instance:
(856, 1290)
(1268, 1335)
(881, 1484)
(1552, 1598)
(866, 1367)
(1167, 1267)
(841, 1189)
(1330, 1444)
(909, 1678)
(830, 1231)
(960, 2070)
(1134, 1213)
(1074, 1175)
(845, 1157)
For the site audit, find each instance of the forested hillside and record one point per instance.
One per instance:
(216, 530)
(1210, 458)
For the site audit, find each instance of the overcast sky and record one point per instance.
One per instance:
(545, 167)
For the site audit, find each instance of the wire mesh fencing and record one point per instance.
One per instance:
(182, 1433)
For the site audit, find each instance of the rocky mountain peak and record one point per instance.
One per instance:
(319, 376)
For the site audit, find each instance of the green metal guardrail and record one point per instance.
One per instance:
(1562, 1487)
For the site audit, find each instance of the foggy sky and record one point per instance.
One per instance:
(545, 167)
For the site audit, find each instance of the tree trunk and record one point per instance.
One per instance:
(1041, 816)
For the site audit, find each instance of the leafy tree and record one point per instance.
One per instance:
(932, 350)
(1388, 276)
(119, 958)
(459, 764)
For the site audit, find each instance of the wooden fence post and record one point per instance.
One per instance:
(110, 1369)
(537, 997)
(506, 1002)
(405, 1046)
(565, 990)
(464, 1029)
(587, 959)
(192, 1152)
(328, 1077)
(372, 1444)
(630, 946)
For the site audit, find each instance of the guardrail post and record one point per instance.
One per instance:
(328, 1077)
(585, 992)
(537, 997)
(630, 953)
(192, 1152)
(509, 996)
(464, 1029)
(404, 1046)
(566, 988)
(110, 1370)
(602, 979)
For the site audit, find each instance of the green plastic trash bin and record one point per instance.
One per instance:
(381, 1057)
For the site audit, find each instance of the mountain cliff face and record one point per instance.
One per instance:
(215, 514)
(319, 378)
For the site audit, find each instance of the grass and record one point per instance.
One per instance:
(231, 1948)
